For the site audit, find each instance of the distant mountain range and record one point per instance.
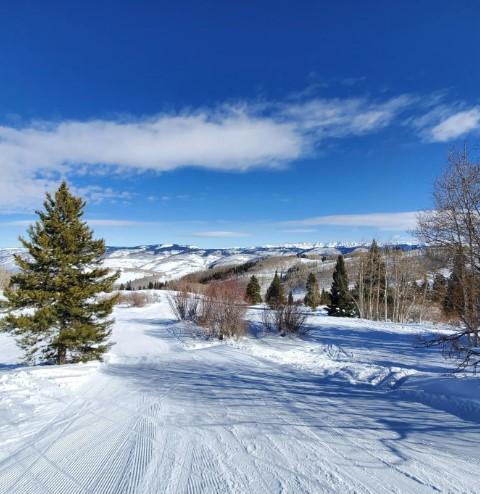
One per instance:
(170, 261)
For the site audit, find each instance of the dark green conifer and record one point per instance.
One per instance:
(253, 292)
(275, 295)
(341, 304)
(54, 308)
(290, 298)
(312, 298)
(454, 302)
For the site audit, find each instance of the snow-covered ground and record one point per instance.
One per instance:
(353, 406)
(171, 261)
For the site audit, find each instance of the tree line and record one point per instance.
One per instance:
(151, 285)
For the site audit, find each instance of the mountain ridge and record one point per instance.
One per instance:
(171, 261)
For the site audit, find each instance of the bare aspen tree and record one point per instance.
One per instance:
(453, 226)
(386, 286)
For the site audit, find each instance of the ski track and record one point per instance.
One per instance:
(219, 420)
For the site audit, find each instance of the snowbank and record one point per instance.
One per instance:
(459, 395)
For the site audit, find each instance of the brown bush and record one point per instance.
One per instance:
(284, 318)
(184, 304)
(133, 299)
(223, 310)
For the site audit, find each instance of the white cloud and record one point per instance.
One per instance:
(178, 196)
(35, 157)
(340, 118)
(225, 140)
(21, 192)
(456, 125)
(444, 121)
(18, 222)
(108, 222)
(382, 221)
(91, 222)
(220, 234)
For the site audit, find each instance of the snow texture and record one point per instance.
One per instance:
(352, 406)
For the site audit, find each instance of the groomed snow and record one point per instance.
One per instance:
(353, 406)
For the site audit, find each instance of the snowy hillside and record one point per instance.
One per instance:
(353, 407)
(7, 260)
(170, 261)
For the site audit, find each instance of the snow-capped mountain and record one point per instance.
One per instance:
(170, 261)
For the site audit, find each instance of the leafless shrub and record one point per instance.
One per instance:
(223, 310)
(184, 304)
(133, 299)
(272, 320)
(293, 318)
(284, 319)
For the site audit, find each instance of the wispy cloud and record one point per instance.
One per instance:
(343, 117)
(33, 158)
(383, 221)
(456, 125)
(91, 222)
(229, 138)
(299, 230)
(443, 121)
(220, 234)
(18, 222)
(108, 222)
(169, 198)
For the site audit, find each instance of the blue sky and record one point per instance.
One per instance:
(223, 123)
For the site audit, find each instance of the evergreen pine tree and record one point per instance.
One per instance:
(275, 294)
(453, 304)
(53, 308)
(325, 297)
(290, 298)
(341, 304)
(253, 292)
(312, 298)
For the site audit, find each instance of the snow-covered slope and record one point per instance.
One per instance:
(352, 407)
(7, 260)
(170, 261)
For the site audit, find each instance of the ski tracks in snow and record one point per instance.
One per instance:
(219, 420)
